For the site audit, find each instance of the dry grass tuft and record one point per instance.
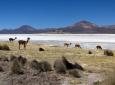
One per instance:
(108, 52)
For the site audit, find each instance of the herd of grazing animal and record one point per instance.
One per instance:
(77, 45)
(20, 42)
(25, 42)
(67, 44)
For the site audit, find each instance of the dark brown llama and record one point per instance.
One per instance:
(67, 44)
(99, 47)
(23, 42)
(11, 39)
(77, 45)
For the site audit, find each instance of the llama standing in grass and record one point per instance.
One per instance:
(78, 45)
(11, 39)
(23, 42)
(67, 44)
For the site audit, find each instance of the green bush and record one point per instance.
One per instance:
(108, 52)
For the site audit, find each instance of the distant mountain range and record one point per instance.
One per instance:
(82, 27)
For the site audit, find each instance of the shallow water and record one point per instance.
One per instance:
(107, 41)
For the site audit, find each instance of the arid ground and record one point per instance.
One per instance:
(96, 65)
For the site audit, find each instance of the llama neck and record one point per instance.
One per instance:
(27, 41)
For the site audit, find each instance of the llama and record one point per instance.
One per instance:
(77, 45)
(99, 47)
(67, 44)
(23, 42)
(11, 39)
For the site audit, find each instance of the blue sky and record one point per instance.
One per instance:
(55, 13)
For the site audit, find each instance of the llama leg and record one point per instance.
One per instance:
(24, 46)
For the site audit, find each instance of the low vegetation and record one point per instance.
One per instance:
(49, 64)
(16, 68)
(74, 73)
(45, 66)
(4, 47)
(108, 52)
(59, 66)
(1, 69)
(90, 52)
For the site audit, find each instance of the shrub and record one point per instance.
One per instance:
(1, 69)
(22, 60)
(5, 47)
(4, 58)
(1, 47)
(108, 52)
(59, 66)
(16, 68)
(12, 58)
(89, 52)
(45, 66)
(35, 65)
(41, 49)
(74, 73)
(96, 83)
(109, 78)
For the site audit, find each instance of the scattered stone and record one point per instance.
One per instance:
(41, 49)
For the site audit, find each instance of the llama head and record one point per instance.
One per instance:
(15, 37)
(28, 39)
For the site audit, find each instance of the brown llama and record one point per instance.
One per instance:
(23, 42)
(77, 45)
(99, 47)
(11, 39)
(67, 44)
